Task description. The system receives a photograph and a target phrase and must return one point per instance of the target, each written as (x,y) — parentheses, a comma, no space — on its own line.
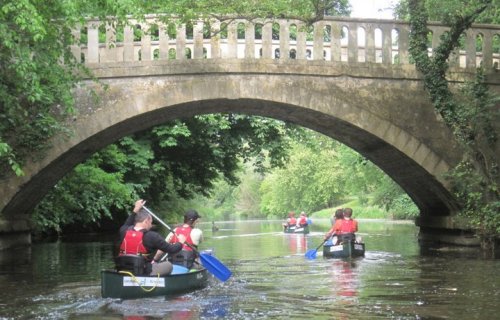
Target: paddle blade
(311,254)
(215,267)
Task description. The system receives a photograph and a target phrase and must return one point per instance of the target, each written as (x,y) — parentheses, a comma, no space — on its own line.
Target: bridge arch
(388,120)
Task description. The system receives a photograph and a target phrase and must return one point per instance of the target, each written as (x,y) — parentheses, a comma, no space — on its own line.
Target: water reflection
(297,243)
(344,282)
(271,279)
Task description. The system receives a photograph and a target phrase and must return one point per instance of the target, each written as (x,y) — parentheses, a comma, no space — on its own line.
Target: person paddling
(336,226)
(302,221)
(348,227)
(291,221)
(138,244)
(194,236)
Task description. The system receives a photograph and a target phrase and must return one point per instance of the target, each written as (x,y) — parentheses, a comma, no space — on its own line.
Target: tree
(166,165)
(323,173)
(308,10)
(38,71)
(34,87)
(472,113)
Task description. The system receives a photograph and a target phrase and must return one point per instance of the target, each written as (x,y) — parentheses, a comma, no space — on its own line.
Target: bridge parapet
(340,40)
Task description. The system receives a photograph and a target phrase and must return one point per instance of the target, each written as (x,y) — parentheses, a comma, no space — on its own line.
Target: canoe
(347,249)
(304,230)
(124,285)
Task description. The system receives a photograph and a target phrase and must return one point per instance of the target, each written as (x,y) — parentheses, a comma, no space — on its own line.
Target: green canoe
(347,249)
(303,230)
(125,285)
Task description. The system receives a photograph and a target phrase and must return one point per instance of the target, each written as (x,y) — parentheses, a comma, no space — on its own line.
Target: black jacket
(151,240)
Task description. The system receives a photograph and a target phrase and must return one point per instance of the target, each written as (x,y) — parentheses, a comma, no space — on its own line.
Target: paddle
(214,266)
(311,254)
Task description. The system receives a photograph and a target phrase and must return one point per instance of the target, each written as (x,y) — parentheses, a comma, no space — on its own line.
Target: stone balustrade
(343,40)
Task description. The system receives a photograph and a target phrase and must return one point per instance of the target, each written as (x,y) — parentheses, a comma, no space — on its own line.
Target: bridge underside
(386,119)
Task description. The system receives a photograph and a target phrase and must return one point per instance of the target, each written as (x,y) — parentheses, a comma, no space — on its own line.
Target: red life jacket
(348,226)
(132,243)
(292,221)
(303,221)
(186,232)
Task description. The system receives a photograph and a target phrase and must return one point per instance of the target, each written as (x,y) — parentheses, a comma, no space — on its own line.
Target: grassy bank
(359,212)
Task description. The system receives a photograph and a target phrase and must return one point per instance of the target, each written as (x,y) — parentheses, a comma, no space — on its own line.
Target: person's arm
(330,232)
(131,218)
(169,237)
(154,241)
(338,225)
(196,236)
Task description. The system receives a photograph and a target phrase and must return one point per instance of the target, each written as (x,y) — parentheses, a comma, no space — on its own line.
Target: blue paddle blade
(215,267)
(311,254)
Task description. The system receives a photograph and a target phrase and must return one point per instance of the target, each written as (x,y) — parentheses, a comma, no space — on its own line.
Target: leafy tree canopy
(177,160)
(471,113)
(447,11)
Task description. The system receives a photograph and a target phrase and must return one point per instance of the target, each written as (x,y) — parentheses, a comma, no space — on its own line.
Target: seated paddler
(194,236)
(141,248)
(348,227)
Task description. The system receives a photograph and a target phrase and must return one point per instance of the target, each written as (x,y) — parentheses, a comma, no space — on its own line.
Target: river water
(271,279)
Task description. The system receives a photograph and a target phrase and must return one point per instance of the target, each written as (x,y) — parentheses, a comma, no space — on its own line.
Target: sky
(371,8)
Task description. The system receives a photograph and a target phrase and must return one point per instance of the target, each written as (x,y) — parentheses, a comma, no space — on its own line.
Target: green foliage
(446,11)
(247,193)
(228,202)
(360,211)
(476,180)
(478,208)
(220,205)
(308,11)
(322,173)
(471,114)
(68,203)
(308,183)
(394,200)
(35,87)
(165,165)
(197,150)
(101,188)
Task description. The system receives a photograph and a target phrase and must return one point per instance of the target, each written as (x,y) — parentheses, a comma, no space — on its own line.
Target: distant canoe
(124,285)
(348,249)
(303,230)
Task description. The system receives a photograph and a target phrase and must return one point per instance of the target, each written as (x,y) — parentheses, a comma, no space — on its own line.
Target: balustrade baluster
(180,42)
(386,44)
(163,40)
(378,47)
(267,34)
(128,44)
(93,42)
(198,40)
(249,40)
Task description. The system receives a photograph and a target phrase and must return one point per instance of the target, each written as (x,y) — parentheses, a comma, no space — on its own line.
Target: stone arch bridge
(349,79)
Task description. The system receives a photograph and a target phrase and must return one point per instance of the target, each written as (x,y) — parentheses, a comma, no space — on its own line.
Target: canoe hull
(126,286)
(345,250)
(299,230)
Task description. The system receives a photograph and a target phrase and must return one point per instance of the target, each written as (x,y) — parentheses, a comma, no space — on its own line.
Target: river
(271,279)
